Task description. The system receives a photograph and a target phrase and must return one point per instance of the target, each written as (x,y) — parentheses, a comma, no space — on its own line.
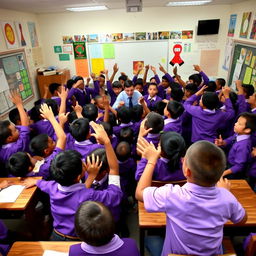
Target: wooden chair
(157,183)
(251,248)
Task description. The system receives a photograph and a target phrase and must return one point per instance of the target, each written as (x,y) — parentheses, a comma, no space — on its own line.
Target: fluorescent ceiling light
(189,3)
(87,8)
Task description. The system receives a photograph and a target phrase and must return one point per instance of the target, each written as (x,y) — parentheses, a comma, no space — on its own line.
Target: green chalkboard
(243,65)
(13,75)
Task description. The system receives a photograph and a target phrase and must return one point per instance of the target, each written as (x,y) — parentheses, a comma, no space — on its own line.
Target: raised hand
(197,68)
(219,141)
(15,97)
(64,93)
(93,165)
(226,91)
(46,112)
(224,183)
(115,68)
(100,133)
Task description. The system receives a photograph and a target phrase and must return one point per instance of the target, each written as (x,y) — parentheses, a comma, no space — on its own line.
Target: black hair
(137,113)
(174,85)
(108,128)
(191,87)
(177,94)
(72,116)
(154,121)
(248,89)
(112,119)
(124,114)
(123,77)
(97,97)
(90,111)
(233,98)
(126,134)
(154,84)
(79,129)
(206,161)
(18,164)
(94,223)
(77,78)
(210,100)
(165,78)
(35,113)
(102,76)
(139,81)
(101,152)
(211,87)
(175,108)
(152,79)
(5,131)
(159,107)
(14,116)
(173,148)
(250,121)
(123,151)
(116,84)
(38,144)
(128,84)
(196,78)
(66,166)
(221,81)
(70,83)
(53,87)
(53,104)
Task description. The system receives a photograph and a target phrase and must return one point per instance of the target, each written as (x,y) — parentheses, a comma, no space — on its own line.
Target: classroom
(127,127)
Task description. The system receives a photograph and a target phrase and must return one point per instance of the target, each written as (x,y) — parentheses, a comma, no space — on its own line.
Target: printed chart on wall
(13,75)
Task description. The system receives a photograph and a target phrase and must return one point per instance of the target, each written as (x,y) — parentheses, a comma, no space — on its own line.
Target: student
(168,166)
(206,118)
(252,101)
(67,193)
(151,98)
(122,79)
(220,83)
(197,200)
(173,111)
(137,117)
(129,97)
(22,164)
(90,111)
(95,227)
(109,130)
(199,79)
(12,138)
(54,89)
(124,117)
(241,145)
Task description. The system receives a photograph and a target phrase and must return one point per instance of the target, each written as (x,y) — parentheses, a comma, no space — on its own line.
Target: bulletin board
(243,64)
(14,74)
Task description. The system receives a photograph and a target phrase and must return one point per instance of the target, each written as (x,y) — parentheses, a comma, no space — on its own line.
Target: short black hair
(191,87)
(116,84)
(124,114)
(5,131)
(128,84)
(137,113)
(126,134)
(101,153)
(53,87)
(211,87)
(177,94)
(248,89)
(108,128)
(70,83)
(14,116)
(122,77)
(210,100)
(72,116)
(112,119)
(102,76)
(53,104)
(154,121)
(159,107)
(221,81)
(94,223)
(38,144)
(79,129)
(139,81)
(90,111)
(175,108)
(196,78)
(77,78)
(250,121)
(123,151)
(18,164)
(66,166)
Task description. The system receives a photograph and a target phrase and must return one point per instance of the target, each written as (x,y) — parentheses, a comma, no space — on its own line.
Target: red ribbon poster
(177,49)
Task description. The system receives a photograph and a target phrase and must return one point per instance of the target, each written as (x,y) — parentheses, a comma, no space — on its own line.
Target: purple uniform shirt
(195,216)
(66,200)
(154,138)
(186,126)
(43,127)
(116,247)
(173,125)
(117,129)
(111,93)
(151,102)
(21,144)
(205,122)
(161,171)
(4,248)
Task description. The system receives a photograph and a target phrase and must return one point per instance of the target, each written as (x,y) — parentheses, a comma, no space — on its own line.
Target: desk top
(38,248)
(23,199)
(240,189)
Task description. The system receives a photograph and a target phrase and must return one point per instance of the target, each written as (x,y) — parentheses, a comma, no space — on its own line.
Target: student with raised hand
(197,200)
(195,78)
(12,138)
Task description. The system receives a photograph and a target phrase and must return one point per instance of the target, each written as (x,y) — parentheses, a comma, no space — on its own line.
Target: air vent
(133,5)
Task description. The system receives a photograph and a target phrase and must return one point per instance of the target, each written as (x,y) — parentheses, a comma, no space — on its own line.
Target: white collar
(112,246)
(165,160)
(72,188)
(254,109)
(170,120)
(209,110)
(100,182)
(242,137)
(8,145)
(83,143)
(124,125)
(152,135)
(154,98)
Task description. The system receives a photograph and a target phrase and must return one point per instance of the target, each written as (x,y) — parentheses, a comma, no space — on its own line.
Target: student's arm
(204,76)
(149,152)
(241,102)
(78,109)
(155,75)
(88,79)
(16,100)
(143,131)
(118,100)
(92,168)
(96,90)
(162,69)
(145,75)
(181,82)
(106,108)
(46,112)
(115,70)
(144,105)
(63,96)
(229,113)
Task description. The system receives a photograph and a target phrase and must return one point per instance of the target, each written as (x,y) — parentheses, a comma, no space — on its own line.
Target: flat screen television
(208,27)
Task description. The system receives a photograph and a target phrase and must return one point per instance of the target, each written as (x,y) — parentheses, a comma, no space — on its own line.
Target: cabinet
(43,81)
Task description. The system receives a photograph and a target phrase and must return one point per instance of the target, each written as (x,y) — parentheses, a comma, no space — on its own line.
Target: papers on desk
(54,253)
(10,194)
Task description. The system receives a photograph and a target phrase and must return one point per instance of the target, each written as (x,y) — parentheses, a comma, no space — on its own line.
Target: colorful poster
(253,62)
(175,35)
(64,57)
(79,38)
(163,35)
(97,65)
(253,80)
(67,48)
(248,57)
(137,65)
(151,35)
(140,36)
(108,51)
(67,39)
(242,54)
(105,38)
(245,24)
(93,38)
(187,34)
(9,35)
(228,53)
(117,37)
(232,25)
(237,71)
(253,31)
(19,31)
(57,49)
(128,36)
(247,75)
(95,51)
(33,34)
(209,61)
(79,50)
(82,67)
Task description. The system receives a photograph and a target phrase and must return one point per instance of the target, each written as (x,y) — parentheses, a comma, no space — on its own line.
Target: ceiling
(47,6)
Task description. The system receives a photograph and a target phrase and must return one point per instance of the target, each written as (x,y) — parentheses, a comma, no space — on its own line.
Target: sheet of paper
(95,51)
(54,253)
(97,65)
(209,61)
(37,56)
(108,51)
(10,194)
(3,81)
(247,75)
(237,73)
(82,68)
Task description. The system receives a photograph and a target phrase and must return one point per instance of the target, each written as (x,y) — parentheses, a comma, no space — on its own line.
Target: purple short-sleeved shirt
(195,216)
(173,125)
(43,127)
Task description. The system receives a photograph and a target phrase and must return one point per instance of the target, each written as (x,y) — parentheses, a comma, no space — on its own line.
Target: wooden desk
(239,188)
(38,248)
(25,204)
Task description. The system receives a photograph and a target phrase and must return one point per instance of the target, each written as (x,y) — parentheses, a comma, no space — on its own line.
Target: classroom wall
(8,15)
(54,26)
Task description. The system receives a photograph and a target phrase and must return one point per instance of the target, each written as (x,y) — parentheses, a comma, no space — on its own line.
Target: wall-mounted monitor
(208,27)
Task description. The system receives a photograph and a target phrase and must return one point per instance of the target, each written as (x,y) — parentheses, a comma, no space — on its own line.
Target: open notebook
(10,194)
